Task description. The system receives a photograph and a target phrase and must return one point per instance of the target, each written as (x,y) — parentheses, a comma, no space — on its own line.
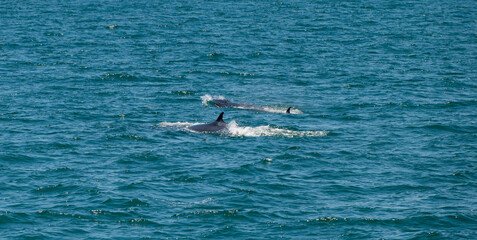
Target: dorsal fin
(220,117)
(288,110)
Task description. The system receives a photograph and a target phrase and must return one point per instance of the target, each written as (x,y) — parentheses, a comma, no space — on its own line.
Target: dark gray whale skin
(222,103)
(214,126)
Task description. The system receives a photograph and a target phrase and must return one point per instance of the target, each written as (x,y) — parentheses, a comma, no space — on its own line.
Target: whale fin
(288,110)
(219,119)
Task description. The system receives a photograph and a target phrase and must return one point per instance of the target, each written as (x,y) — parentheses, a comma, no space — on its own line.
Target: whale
(214,126)
(223,103)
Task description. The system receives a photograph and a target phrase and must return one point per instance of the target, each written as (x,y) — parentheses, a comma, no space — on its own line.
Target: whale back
(214,126)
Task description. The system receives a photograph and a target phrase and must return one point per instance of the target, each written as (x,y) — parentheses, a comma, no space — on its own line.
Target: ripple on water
(7,217)
(17,158)
(51,188)
(57,215)
(124,203)
(183,93)
(380,143)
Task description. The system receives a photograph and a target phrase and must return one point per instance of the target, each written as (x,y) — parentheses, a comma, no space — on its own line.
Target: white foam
(177,125)
(234,130)
(267,131)
(207,98)
(282,110)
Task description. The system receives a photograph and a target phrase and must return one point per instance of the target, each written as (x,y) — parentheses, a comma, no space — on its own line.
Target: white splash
(267,131)
(234,130)
(282,110)
(177,125)
(207,98)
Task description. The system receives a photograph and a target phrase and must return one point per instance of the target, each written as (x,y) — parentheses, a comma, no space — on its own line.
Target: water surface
(96,97)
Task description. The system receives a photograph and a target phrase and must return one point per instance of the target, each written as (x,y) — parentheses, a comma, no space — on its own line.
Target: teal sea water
(96,98)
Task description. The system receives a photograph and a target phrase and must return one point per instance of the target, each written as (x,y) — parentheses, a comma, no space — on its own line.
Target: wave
(234,130)
(208,98)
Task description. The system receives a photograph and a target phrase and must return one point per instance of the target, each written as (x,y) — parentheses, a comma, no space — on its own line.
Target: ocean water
(96,98)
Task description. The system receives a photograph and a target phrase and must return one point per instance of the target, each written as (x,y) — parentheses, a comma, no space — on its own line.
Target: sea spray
(208,98)
(234,130)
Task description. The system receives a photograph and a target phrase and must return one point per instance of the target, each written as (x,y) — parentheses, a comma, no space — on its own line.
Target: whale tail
(220,119)
(288,110)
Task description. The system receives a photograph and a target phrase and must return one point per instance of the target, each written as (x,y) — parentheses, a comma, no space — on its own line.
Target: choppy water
(96,97)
